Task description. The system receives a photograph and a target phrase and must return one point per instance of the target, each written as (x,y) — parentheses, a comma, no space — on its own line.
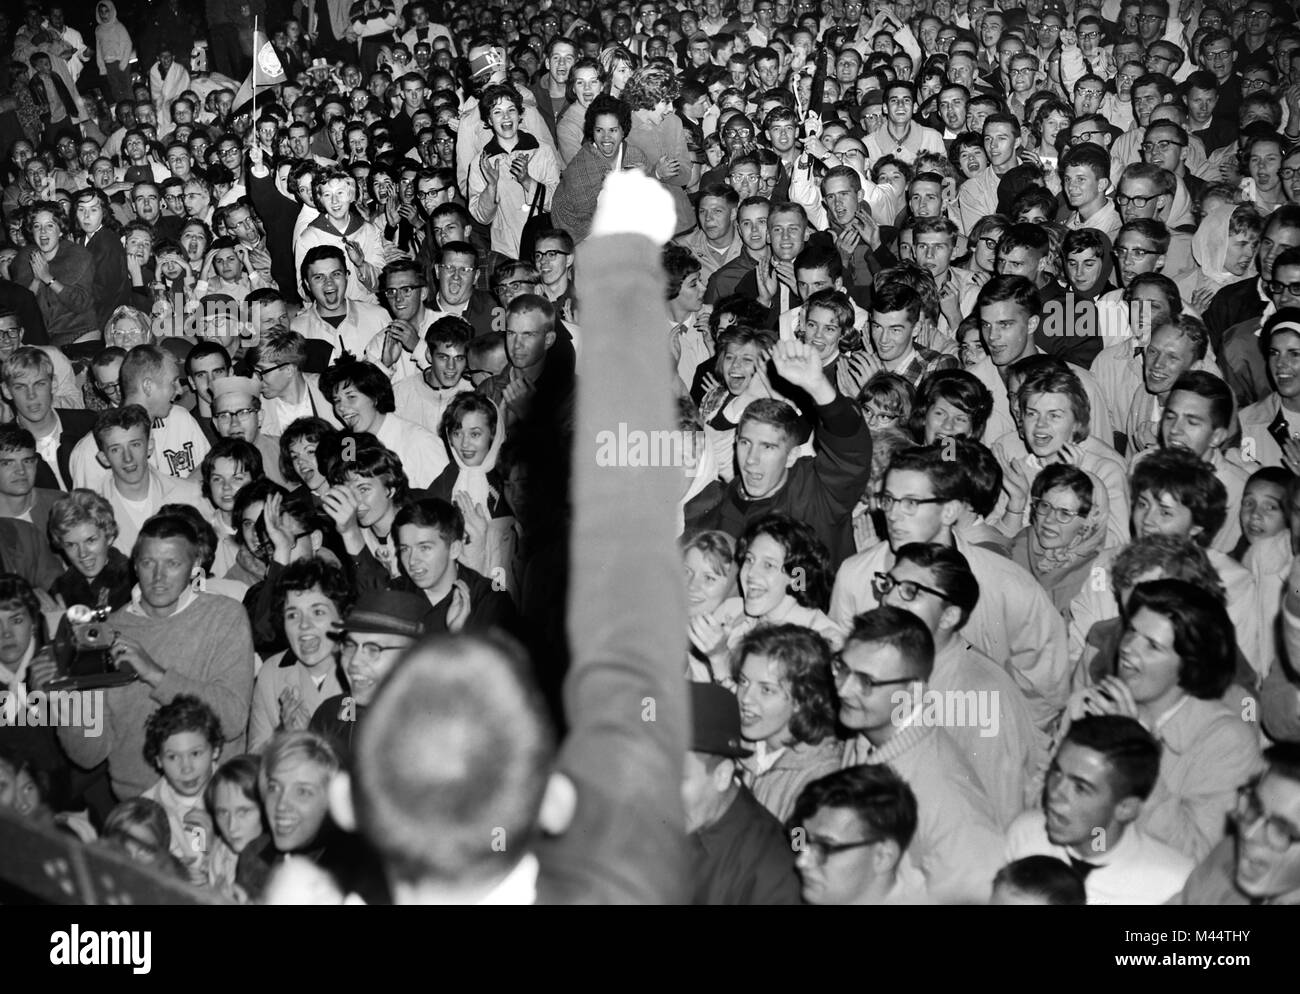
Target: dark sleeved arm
(843,461)
(625,696)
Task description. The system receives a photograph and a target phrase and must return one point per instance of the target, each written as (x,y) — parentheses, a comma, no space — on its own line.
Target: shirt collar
(519,885)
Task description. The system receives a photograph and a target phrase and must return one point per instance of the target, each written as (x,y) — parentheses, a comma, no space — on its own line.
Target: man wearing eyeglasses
(1252,48)
(880,677)
(1259,863)
(1244,365)
(237,413)
(375,632)
(288,391)
(1166,144)
(855,828)
(1149,92)
(923,497)
(935,583)
(1217,55)
(1101,775)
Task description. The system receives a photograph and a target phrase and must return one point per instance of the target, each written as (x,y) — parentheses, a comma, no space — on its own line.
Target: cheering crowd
(967,576)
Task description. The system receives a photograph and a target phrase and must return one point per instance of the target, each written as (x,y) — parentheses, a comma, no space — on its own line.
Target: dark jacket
(110,589)
(278,214)
(25,551)
(820,491)
(112,284)
(1235,303)
(22,302)
(76,425)
(744,857)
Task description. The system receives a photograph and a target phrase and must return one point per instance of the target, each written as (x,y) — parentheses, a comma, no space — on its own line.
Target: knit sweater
(69,312)
(207,650)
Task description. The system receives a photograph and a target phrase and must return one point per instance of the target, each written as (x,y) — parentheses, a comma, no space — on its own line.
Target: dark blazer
(25,551)
(76,424)
(17,298)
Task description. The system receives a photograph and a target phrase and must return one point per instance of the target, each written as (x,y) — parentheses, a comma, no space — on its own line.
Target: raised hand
(800,364)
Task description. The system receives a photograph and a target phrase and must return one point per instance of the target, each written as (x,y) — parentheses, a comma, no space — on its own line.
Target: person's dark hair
(804,661)
(1065,475)
(435,513)
(246,455)
(363,376)
(901,630)
(612,106)
(1190,481)
(951,571)
(982,472)
(897,297)
(1213,389)
(239,772)
(14,590)
(1132,752)
(678,263)
(1043,876)
(493,95)
(1204,637)
(468,402)
(806,558)
(370,458)
(960,388)
(184,713)
(882,801)
(313,573)
(250,494)
(1017,289)
(945,476)
(309,429)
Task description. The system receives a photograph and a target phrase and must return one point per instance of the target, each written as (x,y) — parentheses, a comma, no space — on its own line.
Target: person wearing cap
(237,413)
(375,631)
(740,850)
(487,66)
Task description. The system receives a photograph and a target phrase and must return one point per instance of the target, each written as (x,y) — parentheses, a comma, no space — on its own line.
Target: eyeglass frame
(840,670)
(821,850)
(225,417)
(1061,515)
(883,583)
(1248,793)
(264,372)
(371,652)
(884,501)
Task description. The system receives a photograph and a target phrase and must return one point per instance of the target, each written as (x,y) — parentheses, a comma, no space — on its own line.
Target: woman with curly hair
(60,272)
(785,578)
(605,126)
(787,712)
(658,134)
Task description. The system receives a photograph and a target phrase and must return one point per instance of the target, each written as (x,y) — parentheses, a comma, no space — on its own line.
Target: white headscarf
(473,480)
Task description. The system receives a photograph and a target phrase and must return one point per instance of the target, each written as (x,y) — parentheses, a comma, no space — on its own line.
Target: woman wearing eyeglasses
(982,261)
(1176,663)
(1068,509)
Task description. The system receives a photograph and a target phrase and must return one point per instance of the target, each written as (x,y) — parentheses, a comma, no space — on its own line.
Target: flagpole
(255,77)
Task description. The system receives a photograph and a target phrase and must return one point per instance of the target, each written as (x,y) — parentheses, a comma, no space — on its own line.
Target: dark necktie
(1279,429)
